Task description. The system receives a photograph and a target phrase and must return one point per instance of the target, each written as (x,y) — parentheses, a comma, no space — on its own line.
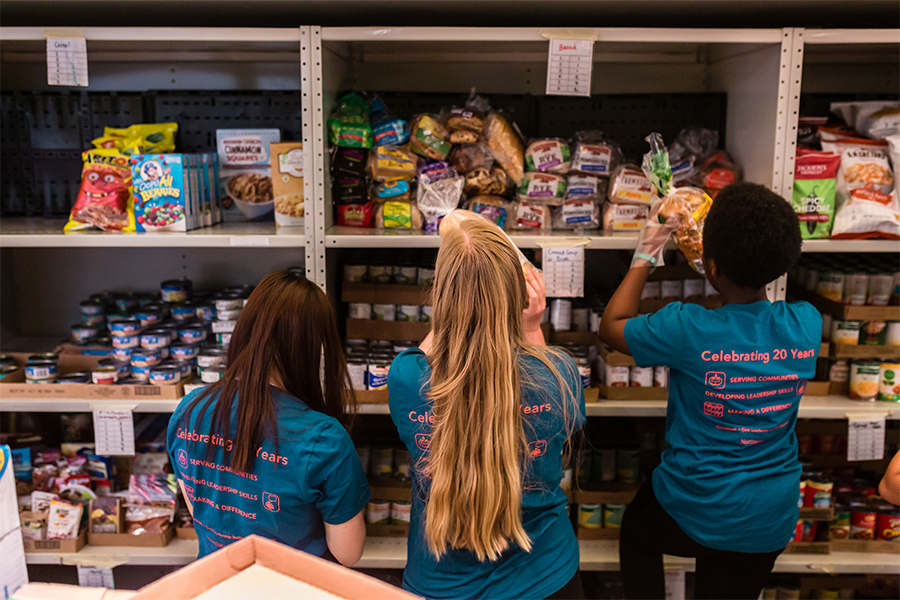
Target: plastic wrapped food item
(529,215)
(492,208)
(395,189)
(689,207)
(452,221)
(593,154)
(355,215)
(862,115)
(394,214)
(391,162)
(63,520)
(695,140)
(465,119)
(506,145)
(625,217)
(629,185)
(437,199)
(467,157)
(586,187)
(104,199)
(880,124)
(152,488)
(428,137)
(429,172)
(578,212)
(814,192)
(349,126)
(808,130)
(548,155)
(348,191)
(718,172)
(143,138)
(386,129)
(145,520)
(542,187)
(348,163)
(493,181)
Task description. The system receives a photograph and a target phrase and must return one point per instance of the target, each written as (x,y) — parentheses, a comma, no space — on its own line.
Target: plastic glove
(653,239)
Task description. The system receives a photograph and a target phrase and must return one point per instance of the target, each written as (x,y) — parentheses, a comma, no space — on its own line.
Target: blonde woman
(485,410)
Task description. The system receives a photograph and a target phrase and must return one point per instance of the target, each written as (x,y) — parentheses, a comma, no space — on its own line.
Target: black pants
(571,591)
(648,532)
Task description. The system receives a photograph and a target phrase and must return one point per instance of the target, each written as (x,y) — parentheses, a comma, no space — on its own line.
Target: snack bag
(504,142)
(717,172)
(394,214)
(549,156)
(437,199)
(452,221)
(349,125)
(814,192)
(104,198)
(529,215)
(428,137)
(355,215)
(542,187)
(146,138)
(63,520)
(391,162)
(592,154)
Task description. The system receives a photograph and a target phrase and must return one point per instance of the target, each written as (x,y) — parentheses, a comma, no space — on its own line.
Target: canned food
(660,377)
(378,513)
(880,287)
(211,357)
(566,482)
(143,357)
(873,333)
(583,466)
(123,368)
(590,516)
(229,302)
(41,371)
(404,275)
(105,375)
(222,326)
(692,289)
(603,464)
(863,522)
(81,377)
(148,317)
(81,332)
(889,384)
(408,313)
(561,315)
(426,276)
(845,332)
(864,380)
(93,307)
(651,291)
(183,311)
(164,352)
(401,512)
(892,338)
(888,527)
(212,373)
(628,465)
(43,357)
(402,463)
(183,350)
(831,285)
(192,334)
(175,290)
(856,285)
(365,455)
(95,320)
(127,326)
(377,374)
(155,338)
(6,361)
(359,310)
(818,493)
(142,373)
(205,312)
(384,312)
(808,530)
(840,526)
(584,371)
(358,370)
(125,302)
(164,375)
(581,319)
(126,341)
(641,376)
(185,366)
(228,315)
(670,289)
(380,274)
(382,462)
(426,313)
(612,515)
(223,338)
(617,376)
(356,273)
(839,371)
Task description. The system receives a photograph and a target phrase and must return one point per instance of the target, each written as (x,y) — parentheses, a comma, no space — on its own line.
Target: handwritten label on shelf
(98,577)
(564,271)
(569,65)
(249,240)
(114,432)
(675,581)
(67,61)
(865,438)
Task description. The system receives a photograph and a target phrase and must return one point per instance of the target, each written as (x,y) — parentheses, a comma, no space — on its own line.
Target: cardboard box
(58,591)
(254,551)
(151,540)
(245,167)
(611,533)
(186,533)
(287,183)
(632,393)
(14,385)
(372,396)
(872,546)
(850,351)
(389,488)
(387,330)
(56,546)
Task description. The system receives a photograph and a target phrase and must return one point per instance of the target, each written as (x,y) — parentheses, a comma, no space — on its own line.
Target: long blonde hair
(478,445)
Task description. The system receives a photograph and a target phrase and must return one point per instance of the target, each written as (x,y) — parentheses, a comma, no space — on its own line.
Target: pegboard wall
(42,134)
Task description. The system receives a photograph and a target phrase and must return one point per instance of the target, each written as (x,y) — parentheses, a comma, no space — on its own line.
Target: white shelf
(354,237)
(162,34)
(48,233)
(851,246)
(390,553)
(83,405)
(851,36)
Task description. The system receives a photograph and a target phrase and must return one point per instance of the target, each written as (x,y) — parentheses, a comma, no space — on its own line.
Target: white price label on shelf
(67,61)
(114,432)
(675,584)
(99,577)
(564,271)
(865,438)
(249,240)
(569,65)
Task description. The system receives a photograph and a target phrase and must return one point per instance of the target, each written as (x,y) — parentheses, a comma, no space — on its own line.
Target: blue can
(81,333)
(144,357)
(44,371)
(124,326)
(123,367)
(175,290)
(75,378)
(182,311)
(148,317)
(183,350)
(164,374)
(155,339)
(185,367)
(126,341)
(192,334)
(125,302)
(92,307)
(122,353)
(140,372)
(205,312)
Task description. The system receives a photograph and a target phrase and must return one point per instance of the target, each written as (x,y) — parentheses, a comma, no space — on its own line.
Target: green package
(814,193)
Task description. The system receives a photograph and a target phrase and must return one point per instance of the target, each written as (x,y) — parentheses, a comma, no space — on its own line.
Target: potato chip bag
(104,199)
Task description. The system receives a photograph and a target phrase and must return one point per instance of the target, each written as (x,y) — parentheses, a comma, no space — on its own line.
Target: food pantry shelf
(851,246)
(390,553)
(354,237)
(48,233)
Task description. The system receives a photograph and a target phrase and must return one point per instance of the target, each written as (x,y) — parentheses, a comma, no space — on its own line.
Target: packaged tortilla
(104,199)
(492,208)
(504,142)
(349,125)
(490,182)
(428,137)
(452,221)
(586,187)
(391,162)
(577,212)
(437,199)
(629,185)
(355,215)
(467,157)
(549,156)
(394,214)
(815,175)
(529,215)
(592,154)
(542,187)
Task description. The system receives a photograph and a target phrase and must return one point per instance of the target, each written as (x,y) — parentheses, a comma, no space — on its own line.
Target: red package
(104,198)
(355,215)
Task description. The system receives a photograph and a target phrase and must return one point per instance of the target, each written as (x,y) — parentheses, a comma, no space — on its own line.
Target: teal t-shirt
(730,475)
(314,477)
(554,556)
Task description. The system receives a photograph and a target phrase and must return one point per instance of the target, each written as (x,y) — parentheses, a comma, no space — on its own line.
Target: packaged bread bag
(815,176)
(530,215)
(549,156)
(592,154)
(505,144)
(545,188)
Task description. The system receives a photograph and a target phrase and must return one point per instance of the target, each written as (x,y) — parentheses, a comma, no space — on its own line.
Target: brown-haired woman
(264,450)
(485,410)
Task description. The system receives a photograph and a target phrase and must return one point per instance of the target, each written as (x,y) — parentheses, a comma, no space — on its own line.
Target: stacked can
(42,368)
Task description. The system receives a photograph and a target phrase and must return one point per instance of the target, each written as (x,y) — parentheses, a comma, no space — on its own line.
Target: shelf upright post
(315,126)
(312,231)
(795,79)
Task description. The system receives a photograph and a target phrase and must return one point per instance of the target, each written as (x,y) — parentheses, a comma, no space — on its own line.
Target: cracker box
(161,200)
(287,183)
(245,171)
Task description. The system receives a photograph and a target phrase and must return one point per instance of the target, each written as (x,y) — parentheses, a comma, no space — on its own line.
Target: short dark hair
(752,234)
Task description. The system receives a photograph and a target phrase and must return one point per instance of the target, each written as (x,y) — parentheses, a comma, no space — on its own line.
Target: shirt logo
(182,459)
(712,409)
(801,387)
(715,379)
(271,502)
(423,441)
(538,448)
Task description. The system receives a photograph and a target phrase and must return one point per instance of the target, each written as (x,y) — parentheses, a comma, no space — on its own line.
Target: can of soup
(888,527)
(863,522)
(105,375)
(864,380)
(401,512)
(617,376)
(889,384)
(641,376)
(612,515)
(590,516)
(378,513)
(359,310)
(384,312)
(408,313)
(660,377)
(41,371)
(845,332)
(175,290)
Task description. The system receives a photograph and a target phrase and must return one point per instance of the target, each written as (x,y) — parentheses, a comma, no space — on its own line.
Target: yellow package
(147,138)
(105,197)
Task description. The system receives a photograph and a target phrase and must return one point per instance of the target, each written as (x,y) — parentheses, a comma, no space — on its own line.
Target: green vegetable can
(814,189)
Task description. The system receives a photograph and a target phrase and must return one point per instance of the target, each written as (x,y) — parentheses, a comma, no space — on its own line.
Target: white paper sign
(564,271)
(114,432)
(569,67)
(13,572)
(675,584)
(67,61)
(865,438)
(101,577)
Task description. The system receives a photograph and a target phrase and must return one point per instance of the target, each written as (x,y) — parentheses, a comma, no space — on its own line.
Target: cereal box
(161,200)
(287,183)
(245,170)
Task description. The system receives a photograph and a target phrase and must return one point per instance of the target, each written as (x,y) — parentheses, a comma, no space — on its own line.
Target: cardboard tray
(808,548)
(393,530)
(55,546)
(196,578)
(611,533)
(371,396)
(155,540)
(633,393)
(612,492)
(846,312)
(614,358)
(875,546)
(186,533)
(380,293)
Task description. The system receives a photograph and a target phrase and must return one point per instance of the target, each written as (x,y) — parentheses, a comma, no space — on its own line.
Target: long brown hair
(287,330)
(478,445)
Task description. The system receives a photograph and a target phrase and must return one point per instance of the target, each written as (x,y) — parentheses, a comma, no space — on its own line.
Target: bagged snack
(430,172)
(542,187)
(104,199)
(593,154)
(465,119)
(717,172)
(880,124)
(157,489)
(629,185)
(491,182)
(143,519)
(33,525)
(348,163)
(391,162)
(146,138)
(808,130)
(586,187)
(394,214)
(625,217)
(349,191)
(437,199)
(814,192)
(529,215)
(857,112)
(395,189)
(106,515)
(349,125)
(456,217)
(428,137)
(493,208)
(549,156)
(355,215)
(467,157)
(63,520)
(577,212)
(506,145)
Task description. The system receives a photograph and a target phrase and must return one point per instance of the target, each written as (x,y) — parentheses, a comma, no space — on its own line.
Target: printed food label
(492,213)
(397,214)
(592,159)
(582,185)
(536,185)
(632,187)
(291,162)
(529,216)
(577,212)
(546,156)
(245,147)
